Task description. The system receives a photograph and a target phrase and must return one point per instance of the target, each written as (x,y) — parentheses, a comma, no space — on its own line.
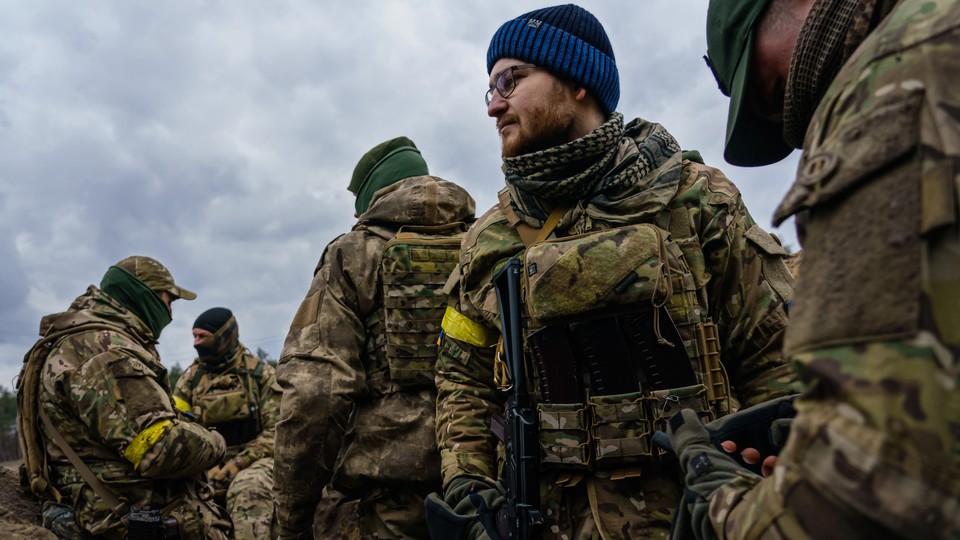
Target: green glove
(472,510)
(705,470)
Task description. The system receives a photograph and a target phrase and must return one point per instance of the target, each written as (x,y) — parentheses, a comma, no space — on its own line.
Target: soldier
(654,290)
(868,89)
(235,393)
(358,407)
(109,434)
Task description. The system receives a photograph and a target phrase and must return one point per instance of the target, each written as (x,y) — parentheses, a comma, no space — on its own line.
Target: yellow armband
(460,327)
(144,441)
(181,404)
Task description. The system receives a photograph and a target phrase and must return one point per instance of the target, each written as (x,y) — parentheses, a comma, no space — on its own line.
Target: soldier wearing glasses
(636,259)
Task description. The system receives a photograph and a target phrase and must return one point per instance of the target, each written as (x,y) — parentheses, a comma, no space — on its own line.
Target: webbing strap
(529,235)
(117,507)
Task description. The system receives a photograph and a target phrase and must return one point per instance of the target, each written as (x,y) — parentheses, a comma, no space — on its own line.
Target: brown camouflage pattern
(344,423)
(739,281)
(249,497)
(101,389)
(874,451)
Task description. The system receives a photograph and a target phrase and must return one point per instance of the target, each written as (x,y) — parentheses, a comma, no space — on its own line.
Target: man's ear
(580,93)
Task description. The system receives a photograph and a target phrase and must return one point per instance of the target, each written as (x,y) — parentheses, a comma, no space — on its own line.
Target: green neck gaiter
(401,163)
(134,295)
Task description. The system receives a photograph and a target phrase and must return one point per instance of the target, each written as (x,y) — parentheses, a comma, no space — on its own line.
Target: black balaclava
(217,350)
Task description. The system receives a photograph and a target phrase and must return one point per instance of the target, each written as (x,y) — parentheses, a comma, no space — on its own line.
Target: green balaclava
(385,164)
(137,297)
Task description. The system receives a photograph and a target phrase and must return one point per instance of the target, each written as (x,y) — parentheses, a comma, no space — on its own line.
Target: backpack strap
(117,507)
(528,234)
(32,447)
(197,375)
(258,373)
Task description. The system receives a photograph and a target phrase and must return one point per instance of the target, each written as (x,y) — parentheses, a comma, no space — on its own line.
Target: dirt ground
(19,511)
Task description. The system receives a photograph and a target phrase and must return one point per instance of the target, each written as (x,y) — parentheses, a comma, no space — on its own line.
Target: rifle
(521,439)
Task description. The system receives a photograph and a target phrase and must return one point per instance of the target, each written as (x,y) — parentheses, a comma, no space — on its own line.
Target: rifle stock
(522,468)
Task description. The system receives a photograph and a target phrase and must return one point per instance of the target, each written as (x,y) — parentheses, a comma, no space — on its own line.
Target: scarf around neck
(616,173)
(139,299)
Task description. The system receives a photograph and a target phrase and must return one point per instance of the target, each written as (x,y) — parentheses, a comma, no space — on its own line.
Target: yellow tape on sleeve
(181,404)
(144,441)
(460,327)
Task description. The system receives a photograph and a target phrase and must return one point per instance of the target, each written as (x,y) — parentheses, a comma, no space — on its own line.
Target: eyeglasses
(505,83)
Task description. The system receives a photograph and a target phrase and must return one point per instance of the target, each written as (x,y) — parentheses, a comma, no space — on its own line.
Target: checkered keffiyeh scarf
(598,171)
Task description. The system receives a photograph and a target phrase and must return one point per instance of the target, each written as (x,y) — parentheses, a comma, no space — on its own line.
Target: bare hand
(752,457)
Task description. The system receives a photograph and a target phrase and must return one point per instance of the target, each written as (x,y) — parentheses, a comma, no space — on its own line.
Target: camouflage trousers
(378,514)
(198,515)
(250,502)
(883,462)
(598,507)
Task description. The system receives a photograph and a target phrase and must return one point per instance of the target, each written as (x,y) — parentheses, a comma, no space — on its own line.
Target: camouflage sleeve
(184,389)
(748,287)
(269,403)
(467,396)
(466,401)
(321,375)
(120,399)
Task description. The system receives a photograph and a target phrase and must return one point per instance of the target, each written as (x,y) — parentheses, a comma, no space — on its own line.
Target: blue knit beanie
(567,40)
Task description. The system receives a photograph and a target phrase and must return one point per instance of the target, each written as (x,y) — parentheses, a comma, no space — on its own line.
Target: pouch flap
(585,275)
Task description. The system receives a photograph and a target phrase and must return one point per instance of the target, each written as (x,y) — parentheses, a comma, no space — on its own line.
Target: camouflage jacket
(875,333)
(261,397)
(107,393)
(341,416)
(733,262)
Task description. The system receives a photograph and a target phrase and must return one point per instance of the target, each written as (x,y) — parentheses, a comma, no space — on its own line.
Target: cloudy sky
(219,136)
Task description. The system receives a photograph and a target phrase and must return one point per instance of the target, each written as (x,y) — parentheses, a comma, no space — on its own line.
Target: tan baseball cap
(154,275)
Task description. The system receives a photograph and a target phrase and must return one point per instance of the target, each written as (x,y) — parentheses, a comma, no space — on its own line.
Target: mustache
(506,119)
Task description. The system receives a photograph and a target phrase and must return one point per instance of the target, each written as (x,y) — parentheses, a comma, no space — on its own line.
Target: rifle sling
(118,507)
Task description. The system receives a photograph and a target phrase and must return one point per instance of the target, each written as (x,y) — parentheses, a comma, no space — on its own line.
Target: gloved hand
(220,477)
(705,469)
(470,510)
(763,428)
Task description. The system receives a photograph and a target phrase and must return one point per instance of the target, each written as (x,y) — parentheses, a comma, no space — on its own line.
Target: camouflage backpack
(414,267)
(33,472)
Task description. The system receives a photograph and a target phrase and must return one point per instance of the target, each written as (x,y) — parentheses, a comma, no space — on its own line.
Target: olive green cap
(385,164)
(154,275)
(751,140)
(369,160)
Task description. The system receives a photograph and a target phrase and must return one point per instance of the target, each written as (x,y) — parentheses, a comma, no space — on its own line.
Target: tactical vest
(414,267)
(228,401)
(617,341)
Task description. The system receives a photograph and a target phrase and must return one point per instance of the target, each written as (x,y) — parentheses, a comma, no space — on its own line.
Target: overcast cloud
(219,136)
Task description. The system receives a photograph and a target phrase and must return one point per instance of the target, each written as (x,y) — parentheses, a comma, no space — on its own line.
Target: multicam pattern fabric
(875,449)
(250,502)
(228,394)
(102,389)
(344,423)
(414,268)
(740,282)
